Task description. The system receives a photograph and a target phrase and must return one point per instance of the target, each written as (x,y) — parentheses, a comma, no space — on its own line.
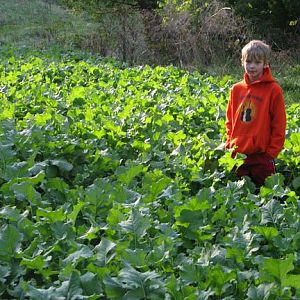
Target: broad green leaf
(76,209)
(6,153)
(137,224)
(91,284)
(38,178)
(52,216)
(236,253)
(195,204)
(274,185)
(124,195)
(63,165)
(37,263)
(190,218)
(272,212)
(191,273)
(57,183)
(262,292)
(296,240)
(71,288)
(278,268)
(62,230)
(268,232)
(4,272)
(133,279)
(91,234)
(113,288)
(295,141)
(104,252)
(10,239)
(16,170)
(173,287)
(26,191)
(10,213)
(296,183)
(41,119)
(191,213)
(142,146)
(83,252)
(218,277)
(77,92)
(115,216)
(137,293)
(220,214)
(154,184)
(135,258)
(205,194)
(99,192)
(292,280)
(45,294)
(127,173)
(228,163)
(274,181)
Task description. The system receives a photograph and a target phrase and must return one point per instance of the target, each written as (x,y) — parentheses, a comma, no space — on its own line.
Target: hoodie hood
(266,77)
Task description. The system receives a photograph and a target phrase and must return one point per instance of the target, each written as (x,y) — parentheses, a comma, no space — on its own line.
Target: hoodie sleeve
(228,122)
(278,124)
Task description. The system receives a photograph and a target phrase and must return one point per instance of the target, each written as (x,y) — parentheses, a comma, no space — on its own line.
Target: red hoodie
(255,118)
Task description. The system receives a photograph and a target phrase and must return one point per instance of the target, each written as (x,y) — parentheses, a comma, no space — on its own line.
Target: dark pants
(258,167)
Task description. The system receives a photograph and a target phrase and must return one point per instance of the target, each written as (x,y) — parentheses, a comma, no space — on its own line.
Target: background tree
(279,20)
(188,32)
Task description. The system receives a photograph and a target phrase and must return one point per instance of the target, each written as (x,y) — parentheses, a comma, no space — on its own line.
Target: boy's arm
(278,125)
(228,122)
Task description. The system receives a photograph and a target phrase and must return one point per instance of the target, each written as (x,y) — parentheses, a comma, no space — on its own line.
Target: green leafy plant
(113,184)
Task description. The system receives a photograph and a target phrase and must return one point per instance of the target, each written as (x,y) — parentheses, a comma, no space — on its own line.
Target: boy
(255,118)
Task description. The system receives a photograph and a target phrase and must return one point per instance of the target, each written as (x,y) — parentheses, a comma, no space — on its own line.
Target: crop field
(114,185)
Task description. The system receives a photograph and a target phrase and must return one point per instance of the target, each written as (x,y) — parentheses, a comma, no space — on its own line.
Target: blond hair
(256,50)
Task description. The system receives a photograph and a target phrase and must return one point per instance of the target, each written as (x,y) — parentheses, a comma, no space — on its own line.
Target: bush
(278,20)
(211,34)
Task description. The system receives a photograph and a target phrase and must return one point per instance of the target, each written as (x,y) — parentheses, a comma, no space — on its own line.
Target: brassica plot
(114,185)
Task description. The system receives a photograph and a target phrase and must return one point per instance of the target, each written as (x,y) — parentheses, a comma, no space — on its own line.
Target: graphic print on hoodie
(247,111)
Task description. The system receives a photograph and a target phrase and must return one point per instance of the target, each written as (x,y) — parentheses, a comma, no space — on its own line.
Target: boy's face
(254,68)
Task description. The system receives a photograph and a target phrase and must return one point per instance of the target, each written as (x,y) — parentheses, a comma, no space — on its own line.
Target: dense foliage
(276,19)
(114,186)
(92,4)
(188,32)
(278,13)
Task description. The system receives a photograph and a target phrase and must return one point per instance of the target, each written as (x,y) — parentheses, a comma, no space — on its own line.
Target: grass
(37,24)
(290,83)
(40,24)
(288,77)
